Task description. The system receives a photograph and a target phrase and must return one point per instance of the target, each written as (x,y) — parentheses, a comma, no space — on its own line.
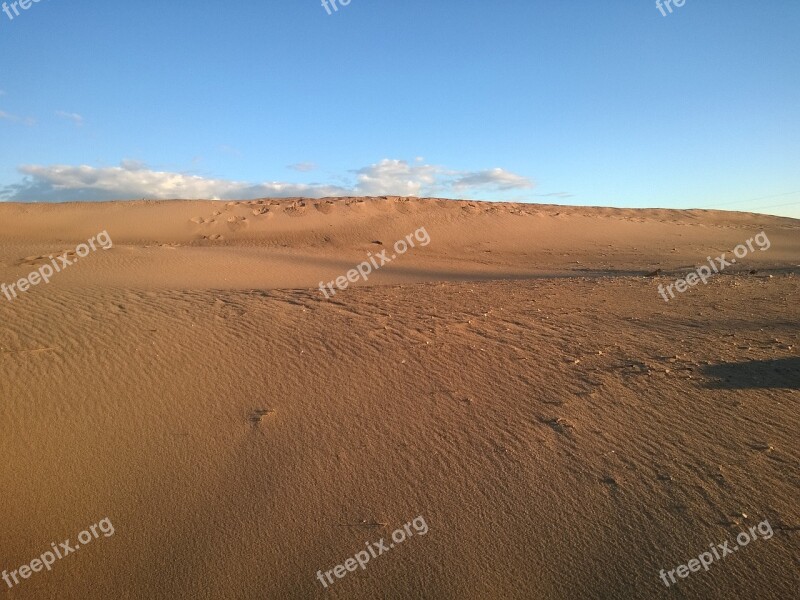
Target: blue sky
(583,102)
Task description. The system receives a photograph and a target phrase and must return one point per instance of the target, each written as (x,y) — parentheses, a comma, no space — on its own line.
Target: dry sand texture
(518,382)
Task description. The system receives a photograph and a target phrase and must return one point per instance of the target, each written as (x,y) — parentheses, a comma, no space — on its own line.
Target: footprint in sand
(227,310)
(559,425)
(30,261)
(235,223)
(762,447)
(260,414)
(296,209)
(611,481)
(324,207)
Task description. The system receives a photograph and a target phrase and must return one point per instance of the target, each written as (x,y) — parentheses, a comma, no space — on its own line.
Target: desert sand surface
(517,384)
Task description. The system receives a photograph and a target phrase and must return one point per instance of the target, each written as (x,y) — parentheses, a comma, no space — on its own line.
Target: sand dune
(298,243)
(518,382)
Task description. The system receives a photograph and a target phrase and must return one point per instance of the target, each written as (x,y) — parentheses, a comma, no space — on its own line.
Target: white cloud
(74,117)
(493,179)
(396,178)
(133,179)
(399,178)
(17,119)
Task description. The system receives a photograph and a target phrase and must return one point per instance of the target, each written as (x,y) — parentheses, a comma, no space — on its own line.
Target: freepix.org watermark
(12,7)
(326,4)
(703,273)
(718,552)
(360,559)
(46,271)
(660,6)
(64,549)
(363,270)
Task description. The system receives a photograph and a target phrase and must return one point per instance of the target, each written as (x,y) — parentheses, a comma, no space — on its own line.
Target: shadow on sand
(778,373)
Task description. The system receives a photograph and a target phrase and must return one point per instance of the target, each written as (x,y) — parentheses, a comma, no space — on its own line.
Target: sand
(518,383)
